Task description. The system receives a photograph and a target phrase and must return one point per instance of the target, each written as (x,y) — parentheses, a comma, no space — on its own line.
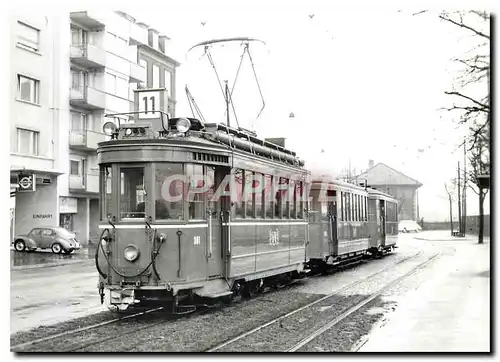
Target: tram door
(332,222)
(217,225)
(382,221)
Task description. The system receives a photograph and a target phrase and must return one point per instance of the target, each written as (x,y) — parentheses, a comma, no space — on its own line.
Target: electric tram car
(205,211)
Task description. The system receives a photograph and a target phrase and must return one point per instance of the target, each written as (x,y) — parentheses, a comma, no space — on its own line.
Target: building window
(74,168)
(27,36)
(111,83)
(78,121)
(78,37)
(156,76)
(167,83)
(27,142)
(143,63)
(28,89)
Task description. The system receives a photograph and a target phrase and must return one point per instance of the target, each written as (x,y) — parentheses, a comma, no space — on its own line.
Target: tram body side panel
(297,244)
(273,247)
(391,237)
(242,249)
(353,237)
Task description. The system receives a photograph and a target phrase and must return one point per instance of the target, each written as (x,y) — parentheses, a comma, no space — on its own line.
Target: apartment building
(94,62)
(35,116)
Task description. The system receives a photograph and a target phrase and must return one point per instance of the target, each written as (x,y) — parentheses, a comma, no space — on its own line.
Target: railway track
(324,298)
(65,334)
(99,336)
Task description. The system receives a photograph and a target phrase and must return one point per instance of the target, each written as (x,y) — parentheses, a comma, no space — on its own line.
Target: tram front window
(132,194)
(169,190)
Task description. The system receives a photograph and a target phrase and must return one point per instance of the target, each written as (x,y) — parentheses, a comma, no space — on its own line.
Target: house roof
(381,174)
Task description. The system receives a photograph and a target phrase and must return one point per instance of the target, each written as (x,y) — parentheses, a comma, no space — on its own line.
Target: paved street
(449,309)
(447,304)
(47,295)
(23,260)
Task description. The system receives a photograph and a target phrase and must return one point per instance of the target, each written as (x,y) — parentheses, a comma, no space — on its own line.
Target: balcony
(137,73)
(88,183)
(85,140)
(88,55)
(90,19)
(87,97)
(138,34)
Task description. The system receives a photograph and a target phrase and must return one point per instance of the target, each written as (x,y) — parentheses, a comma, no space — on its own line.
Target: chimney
(163,41)
(370,163)
(153,38)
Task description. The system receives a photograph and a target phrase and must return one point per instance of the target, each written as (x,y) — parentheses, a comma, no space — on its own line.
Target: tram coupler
(101,291)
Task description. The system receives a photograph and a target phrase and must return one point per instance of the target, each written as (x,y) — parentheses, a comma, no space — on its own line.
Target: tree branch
(469,98)
(462,25)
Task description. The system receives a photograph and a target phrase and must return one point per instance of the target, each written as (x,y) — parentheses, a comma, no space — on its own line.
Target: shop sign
(26,182)
(67,205)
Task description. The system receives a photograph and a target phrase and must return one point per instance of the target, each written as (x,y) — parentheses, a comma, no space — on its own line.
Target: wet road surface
(21,260)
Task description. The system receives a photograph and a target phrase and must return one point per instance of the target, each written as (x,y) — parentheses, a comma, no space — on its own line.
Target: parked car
(407,226)
(56,238)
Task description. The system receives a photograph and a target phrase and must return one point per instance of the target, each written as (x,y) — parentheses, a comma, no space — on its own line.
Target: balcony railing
(88,55)
(88,182)
(85,139)
(87,97)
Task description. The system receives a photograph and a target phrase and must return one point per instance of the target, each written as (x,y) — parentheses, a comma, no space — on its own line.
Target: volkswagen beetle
(56,238)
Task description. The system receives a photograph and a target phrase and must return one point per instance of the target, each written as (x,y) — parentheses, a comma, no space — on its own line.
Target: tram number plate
(149,102)
(197,240)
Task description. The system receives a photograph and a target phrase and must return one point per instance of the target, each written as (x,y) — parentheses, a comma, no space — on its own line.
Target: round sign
(25,182)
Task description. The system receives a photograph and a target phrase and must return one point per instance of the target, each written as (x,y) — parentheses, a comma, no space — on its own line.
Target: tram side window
(237,194)
(299,194)
(169,191)
(249,194)
(258,195)
(285,198)
(106,193)
(133,193)
(292,199)
(196,197)
(213,204)
(357,209)
(268,196)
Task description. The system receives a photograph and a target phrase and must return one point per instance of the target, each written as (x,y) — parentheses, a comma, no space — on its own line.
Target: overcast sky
(364,81)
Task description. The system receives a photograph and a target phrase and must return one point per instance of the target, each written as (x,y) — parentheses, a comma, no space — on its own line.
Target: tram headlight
(131,253)
(183,125)
(109,128)
(128,131)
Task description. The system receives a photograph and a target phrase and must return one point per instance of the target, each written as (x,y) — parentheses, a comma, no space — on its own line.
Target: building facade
(57,115)
(397,184)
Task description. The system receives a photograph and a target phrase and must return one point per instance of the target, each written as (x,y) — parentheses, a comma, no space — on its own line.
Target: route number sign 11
(149,102)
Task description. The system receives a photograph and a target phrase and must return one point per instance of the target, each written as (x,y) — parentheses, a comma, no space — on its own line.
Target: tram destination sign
(26,182)
(149,101)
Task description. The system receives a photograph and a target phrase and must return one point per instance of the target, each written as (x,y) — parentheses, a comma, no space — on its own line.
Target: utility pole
(465,188)
(459,202)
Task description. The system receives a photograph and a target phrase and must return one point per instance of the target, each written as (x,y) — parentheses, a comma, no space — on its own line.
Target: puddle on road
(46,257)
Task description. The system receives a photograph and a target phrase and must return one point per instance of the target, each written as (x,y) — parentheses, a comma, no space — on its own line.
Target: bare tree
(451,207)
(471,96)
(471,93)
(479,158)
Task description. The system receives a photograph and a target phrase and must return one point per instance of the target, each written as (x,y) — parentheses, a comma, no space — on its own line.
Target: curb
(49,265)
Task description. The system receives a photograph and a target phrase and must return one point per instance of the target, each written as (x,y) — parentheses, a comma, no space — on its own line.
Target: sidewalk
(447,312)
(444,235)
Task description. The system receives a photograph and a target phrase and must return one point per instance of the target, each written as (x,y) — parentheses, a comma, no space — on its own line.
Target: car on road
(57,239)
(407,226)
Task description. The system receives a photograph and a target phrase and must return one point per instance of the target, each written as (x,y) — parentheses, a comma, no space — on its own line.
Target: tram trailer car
(348,222)
(159,249)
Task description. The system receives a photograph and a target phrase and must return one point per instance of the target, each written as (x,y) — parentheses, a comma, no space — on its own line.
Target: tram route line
(267,324)
(82,329)
(358,306)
